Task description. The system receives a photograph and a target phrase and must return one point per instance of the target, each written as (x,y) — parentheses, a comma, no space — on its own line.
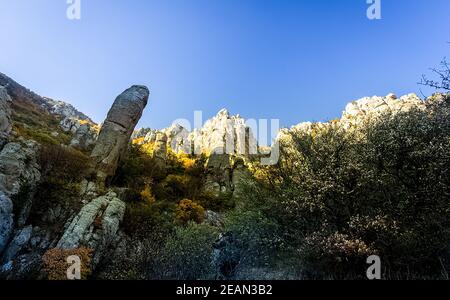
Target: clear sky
(290,60)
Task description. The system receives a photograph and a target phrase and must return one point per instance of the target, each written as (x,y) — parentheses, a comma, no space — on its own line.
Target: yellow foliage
(148,148)
(187,210)
(187,162)
(147,195)
(138,141)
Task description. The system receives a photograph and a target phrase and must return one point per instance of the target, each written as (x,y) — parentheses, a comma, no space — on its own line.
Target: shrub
(62,170)
(147,195)
(135,170)
(187,255)
(381,187)
(187,211)
(144,218)
(64,164)
(55,263)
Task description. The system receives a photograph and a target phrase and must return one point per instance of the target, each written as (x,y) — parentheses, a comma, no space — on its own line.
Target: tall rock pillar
(117,129)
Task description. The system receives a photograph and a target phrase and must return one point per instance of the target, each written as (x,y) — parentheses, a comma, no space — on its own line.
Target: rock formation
(117,130)
(96,225)
(160,150)
(19,174)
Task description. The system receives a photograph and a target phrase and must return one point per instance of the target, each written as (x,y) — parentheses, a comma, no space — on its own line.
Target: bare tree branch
(443,74)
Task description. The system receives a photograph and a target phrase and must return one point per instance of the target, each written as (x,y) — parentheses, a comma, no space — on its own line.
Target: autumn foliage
(56,264)
(187,210)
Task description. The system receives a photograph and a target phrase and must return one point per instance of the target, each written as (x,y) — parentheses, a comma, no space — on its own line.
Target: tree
(443,74)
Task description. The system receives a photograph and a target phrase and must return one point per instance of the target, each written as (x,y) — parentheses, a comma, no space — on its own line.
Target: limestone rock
(19,173)
(178,138)
(150,137)
(84,137)
(357,111)
(117,130)
(95,226)
(160,150)
(18,166)
(224,134)
(140,133)
(6,220)
(21,238)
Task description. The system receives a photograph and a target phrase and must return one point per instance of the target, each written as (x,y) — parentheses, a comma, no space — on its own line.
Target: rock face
(358,111)
(373,106)
(160,151)
(6,220)
(19,175)
(21,238)
(117,130)
(5,116)
(65,110)
(96,225)
(224,134)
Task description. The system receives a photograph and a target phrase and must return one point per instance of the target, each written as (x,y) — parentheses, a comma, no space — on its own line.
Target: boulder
(117,129)
(95,226)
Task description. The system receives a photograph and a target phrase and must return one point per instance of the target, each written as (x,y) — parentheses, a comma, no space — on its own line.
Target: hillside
(173,204)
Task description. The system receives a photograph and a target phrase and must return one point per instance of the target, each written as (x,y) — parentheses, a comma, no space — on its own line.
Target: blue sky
(289,60)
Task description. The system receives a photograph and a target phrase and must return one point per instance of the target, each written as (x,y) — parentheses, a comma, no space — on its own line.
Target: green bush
(379,188)
(187,254)
(62,170)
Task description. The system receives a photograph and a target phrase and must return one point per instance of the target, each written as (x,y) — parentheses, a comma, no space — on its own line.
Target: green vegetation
(187,254)
(381,188)
(62,170)
(33,122)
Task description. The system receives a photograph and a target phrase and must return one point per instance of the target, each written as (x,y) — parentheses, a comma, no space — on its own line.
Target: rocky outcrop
(117,130)
(21,238)
(6,220)
(85,136)
(5,116)
(96,225)
(224,134)
(65,110)
(19,175)
(357,111)
(160,150)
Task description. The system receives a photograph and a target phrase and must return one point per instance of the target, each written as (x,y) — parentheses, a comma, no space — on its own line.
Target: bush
(64,164)
(55,263)
(189,211)
(253,242)
(187,255)
(136,169)
(62,170)
(147,195)
(379,188)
